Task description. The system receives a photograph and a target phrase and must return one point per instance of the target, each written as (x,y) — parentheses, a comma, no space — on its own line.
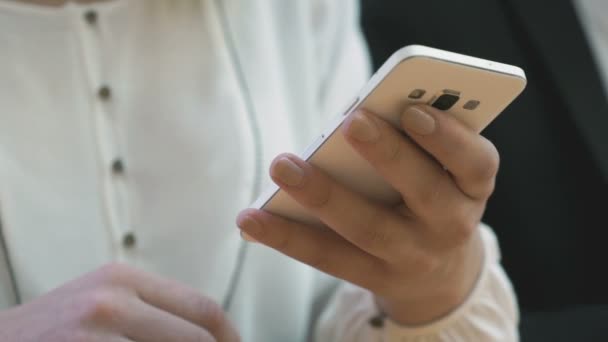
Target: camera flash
(417,93)
(471,104)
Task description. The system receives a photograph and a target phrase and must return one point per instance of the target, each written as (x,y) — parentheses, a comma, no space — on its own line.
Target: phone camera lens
(417,94)
(471,105)
(445,101)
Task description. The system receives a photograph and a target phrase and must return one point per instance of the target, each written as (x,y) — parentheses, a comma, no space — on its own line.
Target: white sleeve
(490,312)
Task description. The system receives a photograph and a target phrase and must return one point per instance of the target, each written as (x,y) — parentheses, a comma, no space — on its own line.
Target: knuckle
(431,192)
(428,196)
(374,238)
(486,167)
(372,233)
(101,306)
(321,195)
(392,150)
(282,240)
(424,263)
(318,257)
(488,189)
(463,229)
(455,138)
(494,155)
(212,315)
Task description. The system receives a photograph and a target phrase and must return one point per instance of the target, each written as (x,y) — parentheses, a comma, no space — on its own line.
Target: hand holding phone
(391,196)
(472,90)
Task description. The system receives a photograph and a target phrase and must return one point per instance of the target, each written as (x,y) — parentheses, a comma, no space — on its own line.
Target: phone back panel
(387,95)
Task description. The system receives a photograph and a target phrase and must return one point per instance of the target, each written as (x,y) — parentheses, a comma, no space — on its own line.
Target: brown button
(118,166)
(91,17)
(104,93)
(129,240)
(377,321)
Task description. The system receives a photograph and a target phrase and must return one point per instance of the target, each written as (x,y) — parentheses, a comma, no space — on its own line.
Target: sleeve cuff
(489,313)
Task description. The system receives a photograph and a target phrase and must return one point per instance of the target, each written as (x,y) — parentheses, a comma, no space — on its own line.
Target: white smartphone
(471,89)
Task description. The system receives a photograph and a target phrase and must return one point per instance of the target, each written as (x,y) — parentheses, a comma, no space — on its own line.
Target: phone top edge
(265,197)
(414,51)
(405,53)
(401,55)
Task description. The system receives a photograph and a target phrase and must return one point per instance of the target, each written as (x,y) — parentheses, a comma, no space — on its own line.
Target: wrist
(441,298)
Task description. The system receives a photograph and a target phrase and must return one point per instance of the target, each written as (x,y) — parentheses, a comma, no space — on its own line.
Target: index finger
(374,228)
(179,300)
(144,322)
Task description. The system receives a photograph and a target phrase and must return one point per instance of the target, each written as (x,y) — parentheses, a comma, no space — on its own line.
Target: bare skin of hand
(422,258)
(57,2)
(118,304)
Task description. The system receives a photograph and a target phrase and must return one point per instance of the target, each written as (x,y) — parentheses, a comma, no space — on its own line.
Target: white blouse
(136,130)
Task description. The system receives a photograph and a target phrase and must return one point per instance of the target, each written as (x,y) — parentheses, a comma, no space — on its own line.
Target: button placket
(129,240)
(104,93)
(118,167)
(114,173)
(90,16)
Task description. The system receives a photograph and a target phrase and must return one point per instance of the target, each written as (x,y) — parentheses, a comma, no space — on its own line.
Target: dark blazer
(550,207)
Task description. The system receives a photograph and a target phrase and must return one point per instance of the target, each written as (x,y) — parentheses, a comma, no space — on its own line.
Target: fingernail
(363,128)
(249,226)
(417,121)
(288,172)
(247,237)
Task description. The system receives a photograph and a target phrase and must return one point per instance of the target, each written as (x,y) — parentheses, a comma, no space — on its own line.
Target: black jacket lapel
(555,32)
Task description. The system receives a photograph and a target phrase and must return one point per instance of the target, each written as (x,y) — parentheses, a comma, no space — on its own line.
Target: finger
(186,303)
(469,157)
(320,248)
(175,298)
(144,322)
(102,337)
(109,339)
(376,229)
(426,188)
